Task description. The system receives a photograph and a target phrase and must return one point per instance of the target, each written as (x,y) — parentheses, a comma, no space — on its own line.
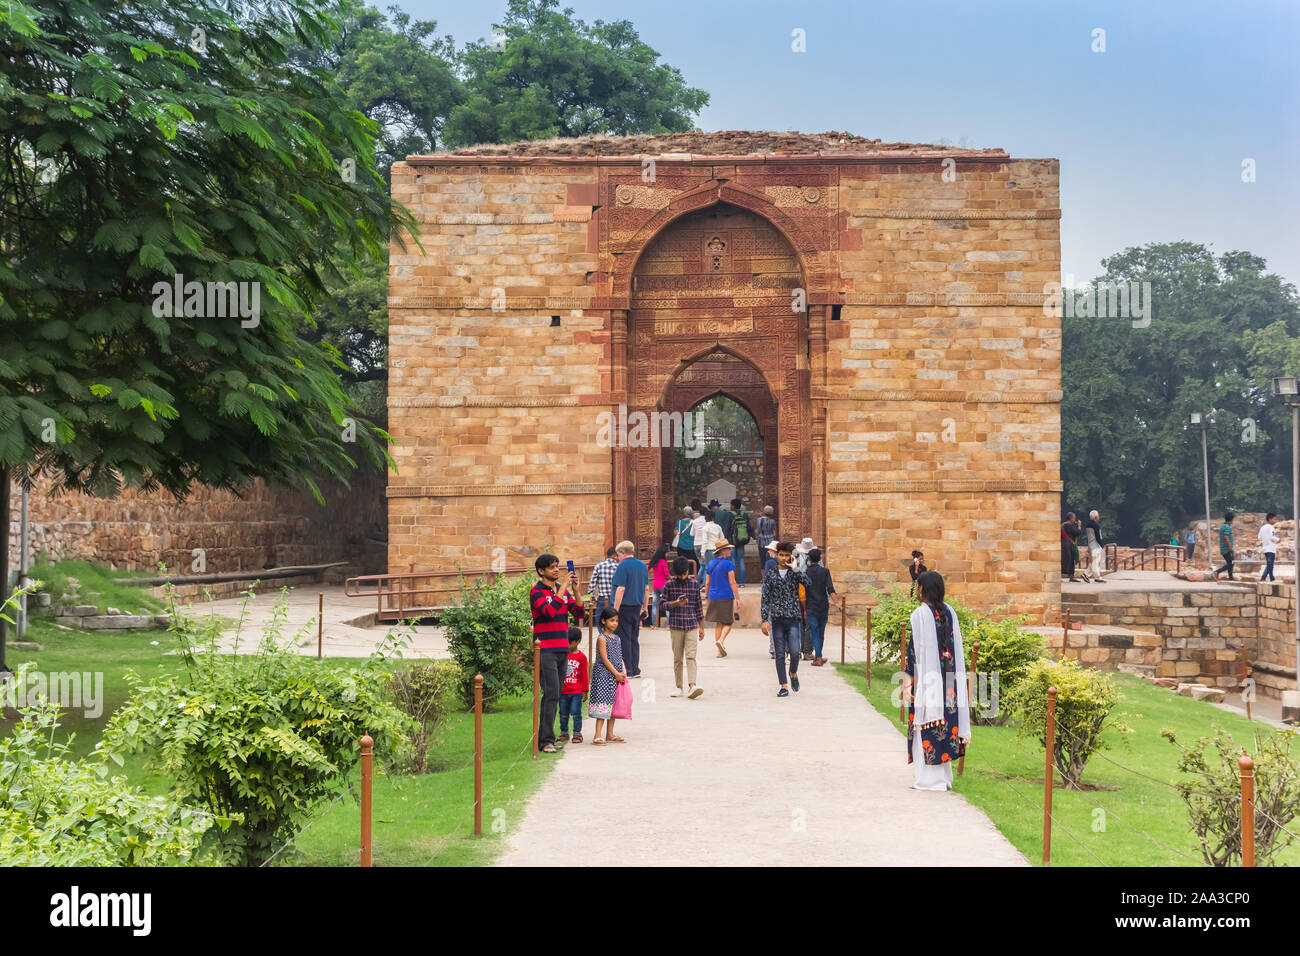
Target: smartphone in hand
(569,565)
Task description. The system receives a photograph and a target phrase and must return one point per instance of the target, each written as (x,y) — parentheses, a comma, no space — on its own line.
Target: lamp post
(1205,421)
(1287,390)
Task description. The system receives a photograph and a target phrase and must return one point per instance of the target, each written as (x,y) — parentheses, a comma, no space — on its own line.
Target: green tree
(548,74)
(1219,329)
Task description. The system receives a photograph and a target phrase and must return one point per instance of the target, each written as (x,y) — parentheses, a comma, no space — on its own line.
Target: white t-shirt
(697,531)
(710,536)
(1268,538)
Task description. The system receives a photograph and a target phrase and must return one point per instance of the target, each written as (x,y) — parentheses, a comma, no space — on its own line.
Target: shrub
(1006,653)
(261,737)
(58,812)
(490,632)
(425,692)
(1084,699)
(1214,811)
(892,611)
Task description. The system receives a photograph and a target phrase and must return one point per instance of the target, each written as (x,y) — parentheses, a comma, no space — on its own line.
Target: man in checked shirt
(682,598)
(602,581)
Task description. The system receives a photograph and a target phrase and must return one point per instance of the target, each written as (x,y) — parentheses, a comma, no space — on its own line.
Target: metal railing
(416,594)
(1160,557)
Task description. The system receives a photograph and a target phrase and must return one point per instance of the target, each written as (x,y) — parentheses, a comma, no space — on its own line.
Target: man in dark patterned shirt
(783,614)
(682,597)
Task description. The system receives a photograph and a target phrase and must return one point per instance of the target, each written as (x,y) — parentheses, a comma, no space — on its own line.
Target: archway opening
(725,460)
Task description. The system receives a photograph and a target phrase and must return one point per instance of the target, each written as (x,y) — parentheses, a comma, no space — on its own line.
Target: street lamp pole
(1204,421)
(1288,390)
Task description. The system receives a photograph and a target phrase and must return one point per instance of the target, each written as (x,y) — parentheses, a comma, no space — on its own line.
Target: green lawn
(98,586)
(418,820)
(1004,778)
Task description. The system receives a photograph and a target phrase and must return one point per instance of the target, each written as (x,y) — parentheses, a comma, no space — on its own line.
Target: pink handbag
(622,702)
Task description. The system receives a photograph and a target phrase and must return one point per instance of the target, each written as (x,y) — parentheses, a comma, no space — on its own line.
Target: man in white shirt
(1268,542)
(697,533)
(710,535)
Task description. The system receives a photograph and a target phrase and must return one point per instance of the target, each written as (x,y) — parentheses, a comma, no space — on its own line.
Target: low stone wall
(1202,633)
(1122,649)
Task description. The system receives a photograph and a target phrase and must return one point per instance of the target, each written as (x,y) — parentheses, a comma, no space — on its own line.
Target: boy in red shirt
(574,689)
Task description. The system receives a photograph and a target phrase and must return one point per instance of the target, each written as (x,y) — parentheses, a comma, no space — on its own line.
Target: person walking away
(801,551)
(915,569)
(575,687)
(726,521)
(708,542)
(1096,552)
(551,608)
(1191,544)
(682,598)
(602,581)
(1226,546)
(783,616)
(684,539)
(658,578)
(1074,528)
(697,535)
(631,592)
(766,529)
(820,589)
(1268,542)
(740,527)
(608,673)
(722,592)
(934,684)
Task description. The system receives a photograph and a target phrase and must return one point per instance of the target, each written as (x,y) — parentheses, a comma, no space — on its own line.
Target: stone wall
(743,471)
(1115,650)
(267,527)
(1202,633)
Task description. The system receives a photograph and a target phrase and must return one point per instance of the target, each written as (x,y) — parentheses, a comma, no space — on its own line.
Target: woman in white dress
(934,684)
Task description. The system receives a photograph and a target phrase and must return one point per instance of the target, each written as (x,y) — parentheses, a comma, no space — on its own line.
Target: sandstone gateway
(878,308)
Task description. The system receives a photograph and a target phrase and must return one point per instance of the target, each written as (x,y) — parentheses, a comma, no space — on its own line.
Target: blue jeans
(654,607)
(570,706)
(738,558)
(1269,558)
(817,625)
(787,637)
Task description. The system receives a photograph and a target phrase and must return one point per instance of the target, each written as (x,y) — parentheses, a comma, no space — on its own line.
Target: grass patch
(1128,820)
(418,820)
(99,586)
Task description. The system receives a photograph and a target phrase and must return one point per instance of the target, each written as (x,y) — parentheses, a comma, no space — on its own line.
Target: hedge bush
(489,631)
(261,738)
(426,692)
(1006,654)
(1084,701)
(1214,809)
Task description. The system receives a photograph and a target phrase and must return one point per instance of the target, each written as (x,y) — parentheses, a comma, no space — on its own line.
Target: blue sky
(1151,134)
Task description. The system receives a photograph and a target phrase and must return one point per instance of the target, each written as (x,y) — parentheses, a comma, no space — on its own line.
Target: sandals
(722,651)
(549,749)
(598,742)
(576,739)
(616,740)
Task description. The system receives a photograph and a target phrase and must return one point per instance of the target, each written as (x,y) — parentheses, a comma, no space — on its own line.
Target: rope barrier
(293,839)
(1172,786)
(1034,803)
(1273,821)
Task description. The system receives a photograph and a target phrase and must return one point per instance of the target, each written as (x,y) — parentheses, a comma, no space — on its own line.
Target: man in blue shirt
(631,591)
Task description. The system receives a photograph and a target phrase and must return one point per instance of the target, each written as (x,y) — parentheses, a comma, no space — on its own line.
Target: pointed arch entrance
(710,310)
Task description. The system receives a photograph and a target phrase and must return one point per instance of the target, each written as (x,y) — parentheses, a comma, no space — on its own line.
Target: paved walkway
(348,630)
(740,777)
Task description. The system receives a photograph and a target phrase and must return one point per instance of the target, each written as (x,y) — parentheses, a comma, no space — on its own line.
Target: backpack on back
(742,529)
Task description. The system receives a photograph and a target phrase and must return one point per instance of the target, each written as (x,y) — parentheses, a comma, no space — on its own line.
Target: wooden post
(902,666)
(974,663)
(537,692)
(320,619)
(844,619)
(367,749)
(1047,782)
(1065,628)
(1247,810)
(868,648)
(478,754)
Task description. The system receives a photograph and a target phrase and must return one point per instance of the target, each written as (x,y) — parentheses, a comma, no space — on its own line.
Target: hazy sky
(1151,133)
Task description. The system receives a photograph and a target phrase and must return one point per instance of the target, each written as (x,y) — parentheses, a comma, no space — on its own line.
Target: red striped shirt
(551,615)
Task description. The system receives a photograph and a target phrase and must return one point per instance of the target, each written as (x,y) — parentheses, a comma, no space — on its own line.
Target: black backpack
(742,529)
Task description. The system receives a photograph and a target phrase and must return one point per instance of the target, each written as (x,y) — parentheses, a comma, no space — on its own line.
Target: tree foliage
(142,141)
(548,74)
(1221,329)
